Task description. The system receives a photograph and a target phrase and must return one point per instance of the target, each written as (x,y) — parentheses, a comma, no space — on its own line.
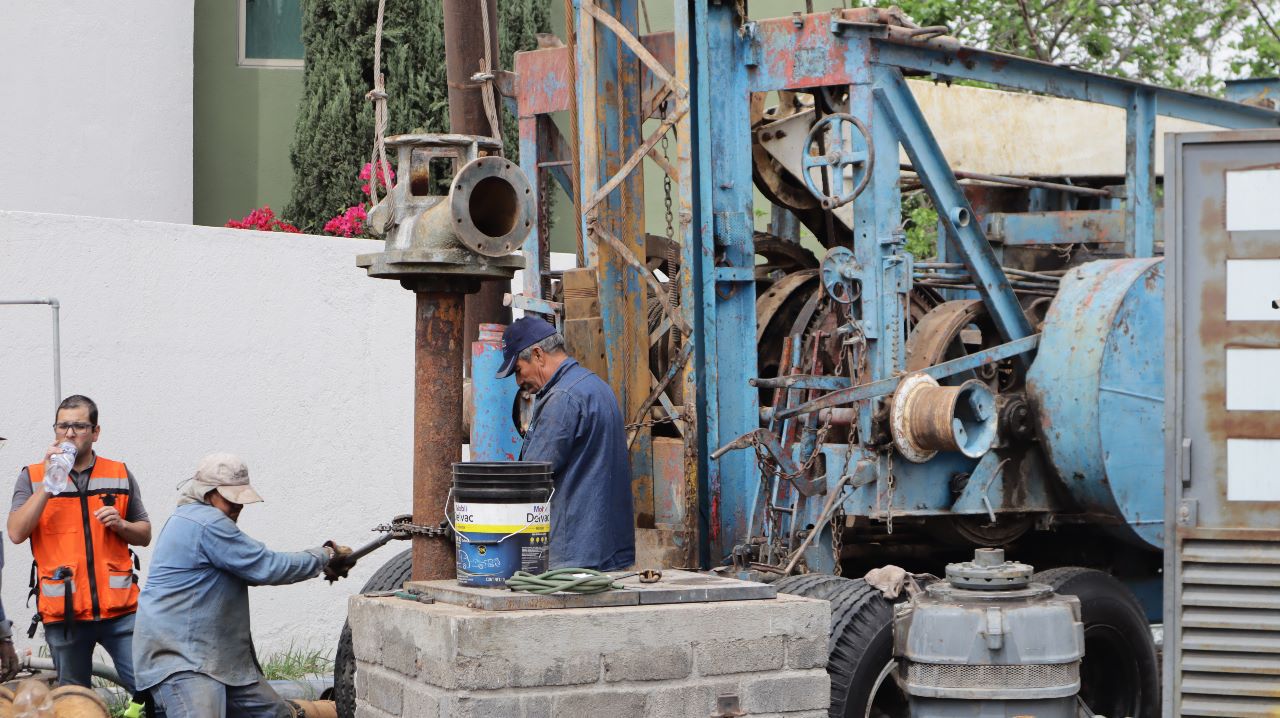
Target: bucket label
(496,540)
(502,518)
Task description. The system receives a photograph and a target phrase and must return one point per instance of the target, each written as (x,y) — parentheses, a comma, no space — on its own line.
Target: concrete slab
(675,586)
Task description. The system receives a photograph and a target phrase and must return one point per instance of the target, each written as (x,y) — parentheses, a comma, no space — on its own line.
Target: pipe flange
(900,418)
(491,203)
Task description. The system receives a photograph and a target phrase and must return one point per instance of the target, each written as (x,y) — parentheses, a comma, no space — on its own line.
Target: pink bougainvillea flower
(348,224)
(384,173)
(262,219)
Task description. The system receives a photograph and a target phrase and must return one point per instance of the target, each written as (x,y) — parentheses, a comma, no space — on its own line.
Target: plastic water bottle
(55,477)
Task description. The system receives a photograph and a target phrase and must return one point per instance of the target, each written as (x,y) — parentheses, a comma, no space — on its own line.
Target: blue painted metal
(1254,89)
(1140,174)
(493,435)
(1023,229)
(1098,387)
(965,235)
(733,236)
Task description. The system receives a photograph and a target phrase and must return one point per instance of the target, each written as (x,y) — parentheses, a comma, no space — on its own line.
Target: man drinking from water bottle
(85,588)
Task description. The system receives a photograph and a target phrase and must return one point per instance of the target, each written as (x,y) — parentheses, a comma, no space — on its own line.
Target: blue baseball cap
(520,335)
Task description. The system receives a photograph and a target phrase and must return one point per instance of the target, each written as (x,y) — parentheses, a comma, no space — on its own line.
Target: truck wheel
(389,577)
(1120,675)
(860,663)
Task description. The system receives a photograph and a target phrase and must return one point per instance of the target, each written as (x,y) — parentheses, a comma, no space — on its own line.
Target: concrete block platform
(442,660)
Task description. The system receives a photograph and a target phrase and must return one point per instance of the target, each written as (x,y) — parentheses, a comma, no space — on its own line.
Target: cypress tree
(334,134)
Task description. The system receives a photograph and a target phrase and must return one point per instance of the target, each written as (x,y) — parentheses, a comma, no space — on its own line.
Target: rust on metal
(437,430)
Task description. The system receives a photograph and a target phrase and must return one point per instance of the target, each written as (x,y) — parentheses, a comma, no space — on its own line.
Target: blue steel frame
(718,58)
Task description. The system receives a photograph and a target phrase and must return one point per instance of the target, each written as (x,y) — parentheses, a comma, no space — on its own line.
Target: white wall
(196,339)
(97,105)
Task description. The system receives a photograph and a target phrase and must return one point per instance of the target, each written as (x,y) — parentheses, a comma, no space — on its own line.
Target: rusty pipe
(437,423)
(464,44)
(1022,182)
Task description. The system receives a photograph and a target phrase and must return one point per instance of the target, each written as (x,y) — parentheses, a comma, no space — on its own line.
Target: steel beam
(965,233)
(688,48)
(731,300)
(1140,173)
(949,59)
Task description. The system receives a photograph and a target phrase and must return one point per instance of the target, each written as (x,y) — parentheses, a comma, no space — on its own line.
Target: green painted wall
(244,120)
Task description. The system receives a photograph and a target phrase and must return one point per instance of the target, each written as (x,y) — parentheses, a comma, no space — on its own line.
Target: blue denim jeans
(195,695)
(73,655)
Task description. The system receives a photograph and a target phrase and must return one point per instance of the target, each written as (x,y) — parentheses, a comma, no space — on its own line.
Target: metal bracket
(1185,468)
(728,706)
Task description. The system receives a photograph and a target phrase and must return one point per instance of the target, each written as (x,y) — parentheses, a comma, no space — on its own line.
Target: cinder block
(583,702)
(809,652)
(716,658)
(531,671)
(480,705)
(364,710)
(789,692)
(421,701)
(380,688)
(686,700)
(647,664)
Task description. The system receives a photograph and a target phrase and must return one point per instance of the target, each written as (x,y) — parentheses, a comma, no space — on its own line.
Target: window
(270,33)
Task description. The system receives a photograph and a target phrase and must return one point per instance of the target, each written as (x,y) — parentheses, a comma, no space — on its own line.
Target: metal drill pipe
(464,44)
(437,423)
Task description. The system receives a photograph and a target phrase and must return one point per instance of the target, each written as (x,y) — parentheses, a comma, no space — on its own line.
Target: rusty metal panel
(1222,557)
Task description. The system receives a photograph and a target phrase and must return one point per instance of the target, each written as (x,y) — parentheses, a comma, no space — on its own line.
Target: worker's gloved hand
(340,564)
(8,660)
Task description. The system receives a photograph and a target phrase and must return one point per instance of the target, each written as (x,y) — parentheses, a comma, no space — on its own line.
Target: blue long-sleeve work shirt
(577,428)
(193,612)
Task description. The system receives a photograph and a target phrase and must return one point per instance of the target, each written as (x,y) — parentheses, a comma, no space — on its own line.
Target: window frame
(256,62)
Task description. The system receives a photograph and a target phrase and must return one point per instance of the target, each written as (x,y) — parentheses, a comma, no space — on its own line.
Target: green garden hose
(567,580)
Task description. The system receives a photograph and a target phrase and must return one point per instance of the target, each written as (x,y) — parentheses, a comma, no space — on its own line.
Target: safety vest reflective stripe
(108,484)
(120,580)
(56,589)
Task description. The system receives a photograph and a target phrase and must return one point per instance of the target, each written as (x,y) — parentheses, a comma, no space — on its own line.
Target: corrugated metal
(1230,628)
(1228,707)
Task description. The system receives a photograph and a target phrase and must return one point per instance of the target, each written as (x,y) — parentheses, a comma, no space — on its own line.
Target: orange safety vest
(81,566)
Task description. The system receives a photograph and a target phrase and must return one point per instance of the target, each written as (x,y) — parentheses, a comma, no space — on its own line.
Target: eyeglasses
(80,427)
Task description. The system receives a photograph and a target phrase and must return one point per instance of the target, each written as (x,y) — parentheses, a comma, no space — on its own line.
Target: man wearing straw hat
(191,643)
(577,428)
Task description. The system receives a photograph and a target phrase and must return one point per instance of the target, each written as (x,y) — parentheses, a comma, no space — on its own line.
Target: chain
(673,249)
(408,527)
(888,511)
(654,422)
(544,230)
(837,538)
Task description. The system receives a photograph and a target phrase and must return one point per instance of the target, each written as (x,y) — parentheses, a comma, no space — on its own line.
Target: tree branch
(1270,28)
(1031,32)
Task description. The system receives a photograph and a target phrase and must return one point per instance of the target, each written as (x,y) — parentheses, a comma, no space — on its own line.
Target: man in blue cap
(577,428)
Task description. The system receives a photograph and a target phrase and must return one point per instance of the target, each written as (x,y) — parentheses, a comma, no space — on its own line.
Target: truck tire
(1120,675)
(860,661)
(389,577)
